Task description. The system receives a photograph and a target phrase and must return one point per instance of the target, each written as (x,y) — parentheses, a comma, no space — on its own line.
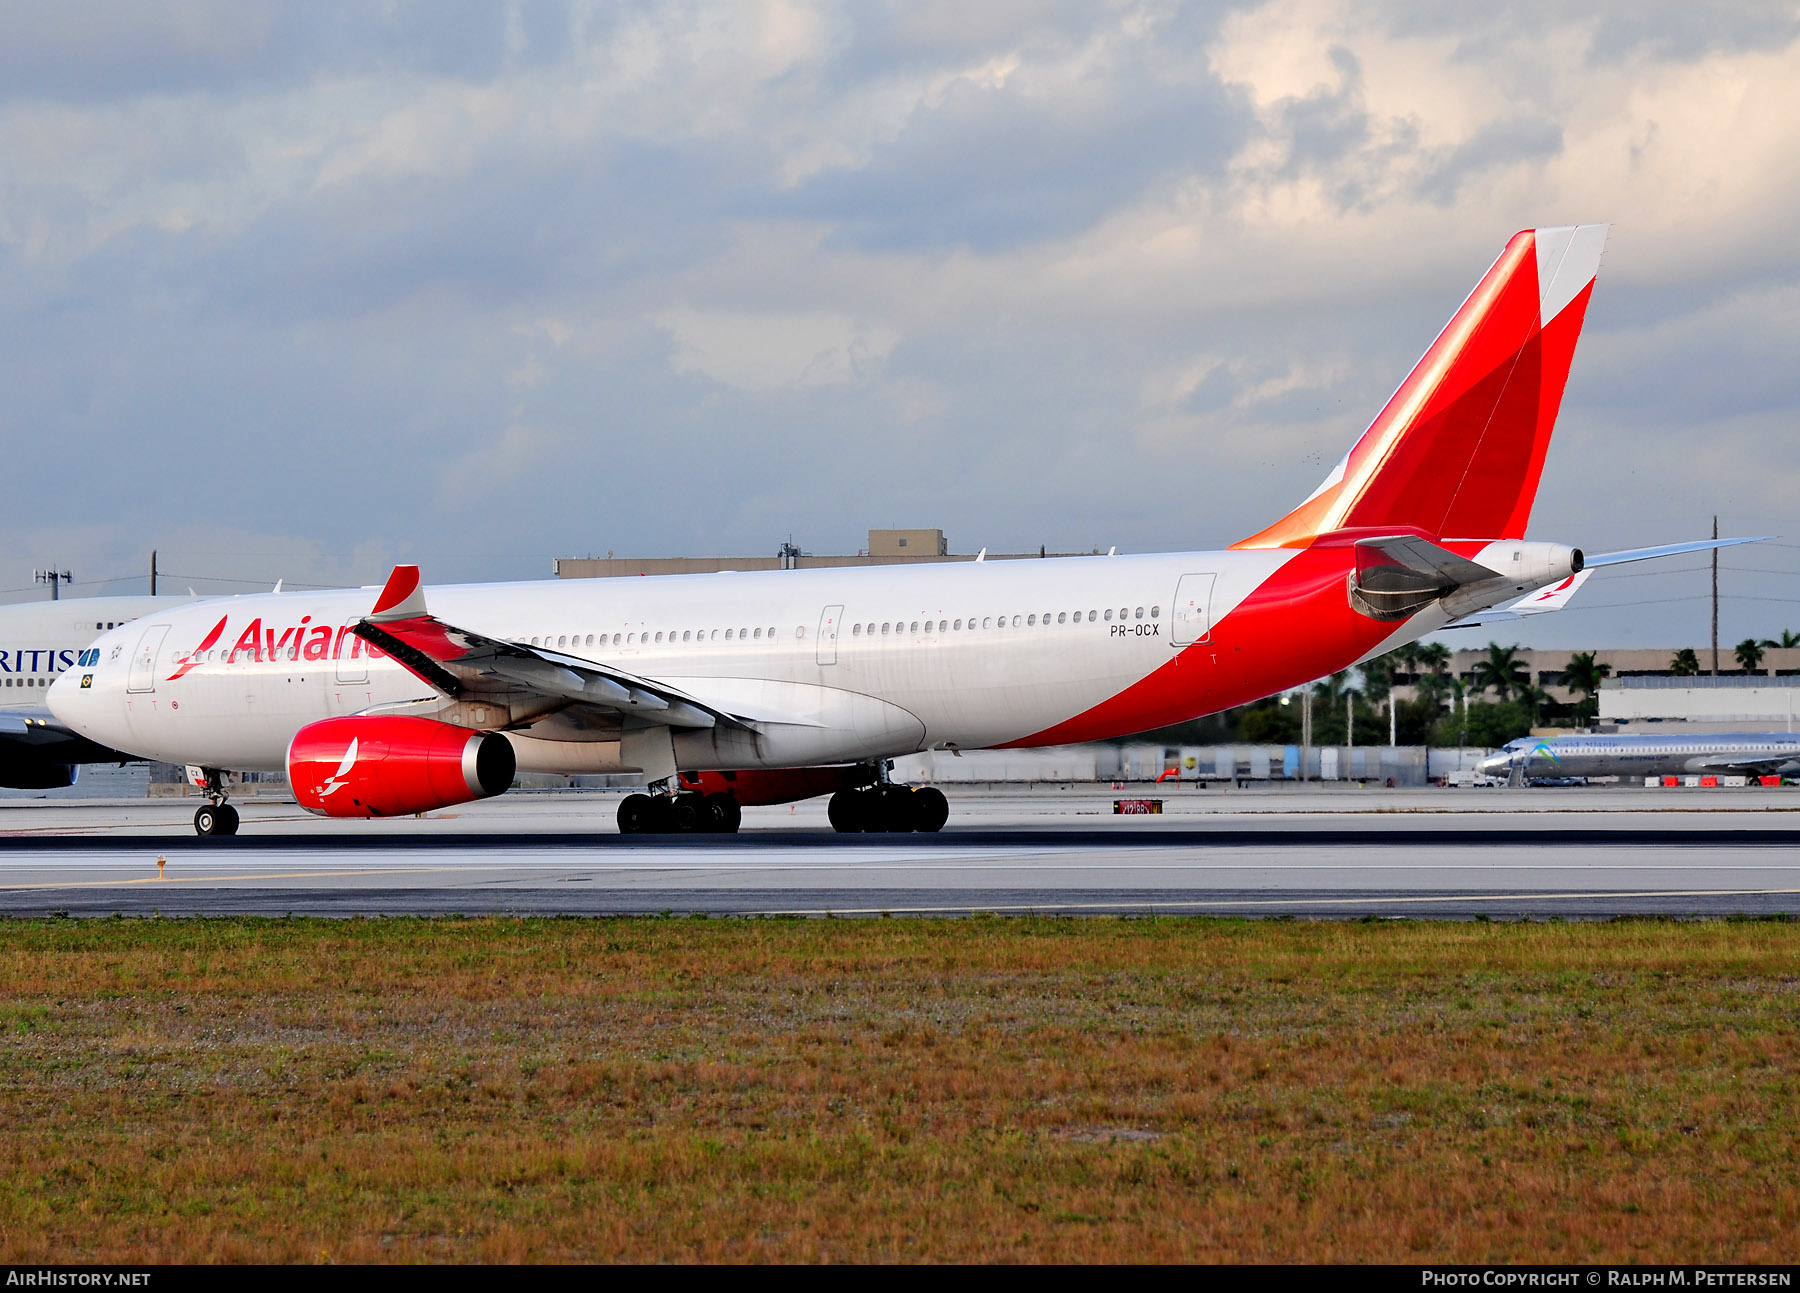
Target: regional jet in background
(729,689)
(1750,754)
(39,641)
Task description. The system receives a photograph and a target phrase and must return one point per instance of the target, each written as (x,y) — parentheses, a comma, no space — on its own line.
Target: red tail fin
(1458,450)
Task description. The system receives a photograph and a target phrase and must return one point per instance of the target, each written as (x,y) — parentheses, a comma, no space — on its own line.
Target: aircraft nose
(61,692)
(74,699)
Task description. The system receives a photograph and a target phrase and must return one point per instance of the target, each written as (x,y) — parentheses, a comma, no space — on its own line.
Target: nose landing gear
(215,817)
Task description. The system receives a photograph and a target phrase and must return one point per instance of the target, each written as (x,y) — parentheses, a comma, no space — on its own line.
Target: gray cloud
(340,285)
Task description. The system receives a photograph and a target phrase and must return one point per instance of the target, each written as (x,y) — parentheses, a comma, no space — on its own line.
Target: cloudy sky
(301,289)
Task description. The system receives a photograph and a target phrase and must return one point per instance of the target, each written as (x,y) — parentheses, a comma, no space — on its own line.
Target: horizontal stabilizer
(1669,550)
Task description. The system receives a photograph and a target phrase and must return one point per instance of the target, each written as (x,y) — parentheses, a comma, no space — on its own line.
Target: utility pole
(1393,724)
(1349,720)
(153,572)
(1715,573)
(56,579)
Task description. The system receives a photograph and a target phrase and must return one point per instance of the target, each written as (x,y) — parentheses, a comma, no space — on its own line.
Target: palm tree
(1585,674)
(1434,658)
(1749,654)
(1407,657)
(1502,670)
(1331,688)
(1533,697)
(1684,663)
(1378,678)
(1789,638)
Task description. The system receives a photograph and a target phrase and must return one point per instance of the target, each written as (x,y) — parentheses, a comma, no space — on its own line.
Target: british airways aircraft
(730,689)
(38,642)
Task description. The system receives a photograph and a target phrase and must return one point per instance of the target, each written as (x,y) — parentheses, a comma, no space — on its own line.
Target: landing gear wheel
(722,812)
(893,811)
(930,810)
(687,816)
(219,819)
(639,815)
(847,812)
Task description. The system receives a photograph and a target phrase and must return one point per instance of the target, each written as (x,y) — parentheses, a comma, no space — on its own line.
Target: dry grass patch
(982,1089)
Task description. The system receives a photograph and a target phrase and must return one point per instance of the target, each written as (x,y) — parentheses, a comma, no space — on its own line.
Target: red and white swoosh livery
(735,676)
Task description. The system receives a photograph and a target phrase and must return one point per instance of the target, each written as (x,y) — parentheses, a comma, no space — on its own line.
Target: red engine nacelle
(777,785)
(387,767)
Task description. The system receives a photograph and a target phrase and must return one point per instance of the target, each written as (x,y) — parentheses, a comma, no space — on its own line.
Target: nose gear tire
(211,820)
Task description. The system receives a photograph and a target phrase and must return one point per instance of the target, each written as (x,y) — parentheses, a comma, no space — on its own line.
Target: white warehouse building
(1728,703)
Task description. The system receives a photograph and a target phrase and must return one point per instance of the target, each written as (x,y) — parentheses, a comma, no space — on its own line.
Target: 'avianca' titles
(731,689)
(297,642)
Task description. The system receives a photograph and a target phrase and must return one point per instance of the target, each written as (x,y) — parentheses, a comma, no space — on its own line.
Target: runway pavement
(1579,854)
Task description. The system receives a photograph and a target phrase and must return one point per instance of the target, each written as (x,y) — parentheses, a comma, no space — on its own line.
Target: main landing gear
(216,817)
(683,814)
(889,808)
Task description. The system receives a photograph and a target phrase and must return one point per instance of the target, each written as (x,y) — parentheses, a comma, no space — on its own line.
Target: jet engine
(387,767)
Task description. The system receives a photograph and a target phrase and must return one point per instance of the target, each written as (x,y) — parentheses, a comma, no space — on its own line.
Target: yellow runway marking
(214,879)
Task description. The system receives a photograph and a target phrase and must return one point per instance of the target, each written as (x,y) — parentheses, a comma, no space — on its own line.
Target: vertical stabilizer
(1459,448)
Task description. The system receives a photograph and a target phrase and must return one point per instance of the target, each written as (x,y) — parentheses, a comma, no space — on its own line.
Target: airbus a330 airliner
(731,689)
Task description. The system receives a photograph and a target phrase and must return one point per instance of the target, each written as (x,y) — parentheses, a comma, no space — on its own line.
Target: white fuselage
(835,665)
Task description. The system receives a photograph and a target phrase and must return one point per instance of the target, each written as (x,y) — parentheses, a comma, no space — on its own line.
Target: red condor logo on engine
(297,642)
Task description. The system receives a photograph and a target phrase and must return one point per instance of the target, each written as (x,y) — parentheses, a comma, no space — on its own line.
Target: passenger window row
(645,639)
(1046,620)
(694,636)
(860,629)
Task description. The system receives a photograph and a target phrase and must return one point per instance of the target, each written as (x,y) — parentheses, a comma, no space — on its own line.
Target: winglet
(403,598)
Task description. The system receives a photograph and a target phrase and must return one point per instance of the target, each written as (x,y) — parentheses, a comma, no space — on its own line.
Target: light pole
(1306,733)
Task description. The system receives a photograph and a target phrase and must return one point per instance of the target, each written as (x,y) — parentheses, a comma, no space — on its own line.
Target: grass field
(975,1089)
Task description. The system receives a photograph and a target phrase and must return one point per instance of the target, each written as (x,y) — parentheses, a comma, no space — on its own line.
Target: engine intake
(388,767)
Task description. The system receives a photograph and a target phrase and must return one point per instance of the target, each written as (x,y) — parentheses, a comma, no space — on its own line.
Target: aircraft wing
(1749,765)
(36,736)
(528,682)
(1551,597)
